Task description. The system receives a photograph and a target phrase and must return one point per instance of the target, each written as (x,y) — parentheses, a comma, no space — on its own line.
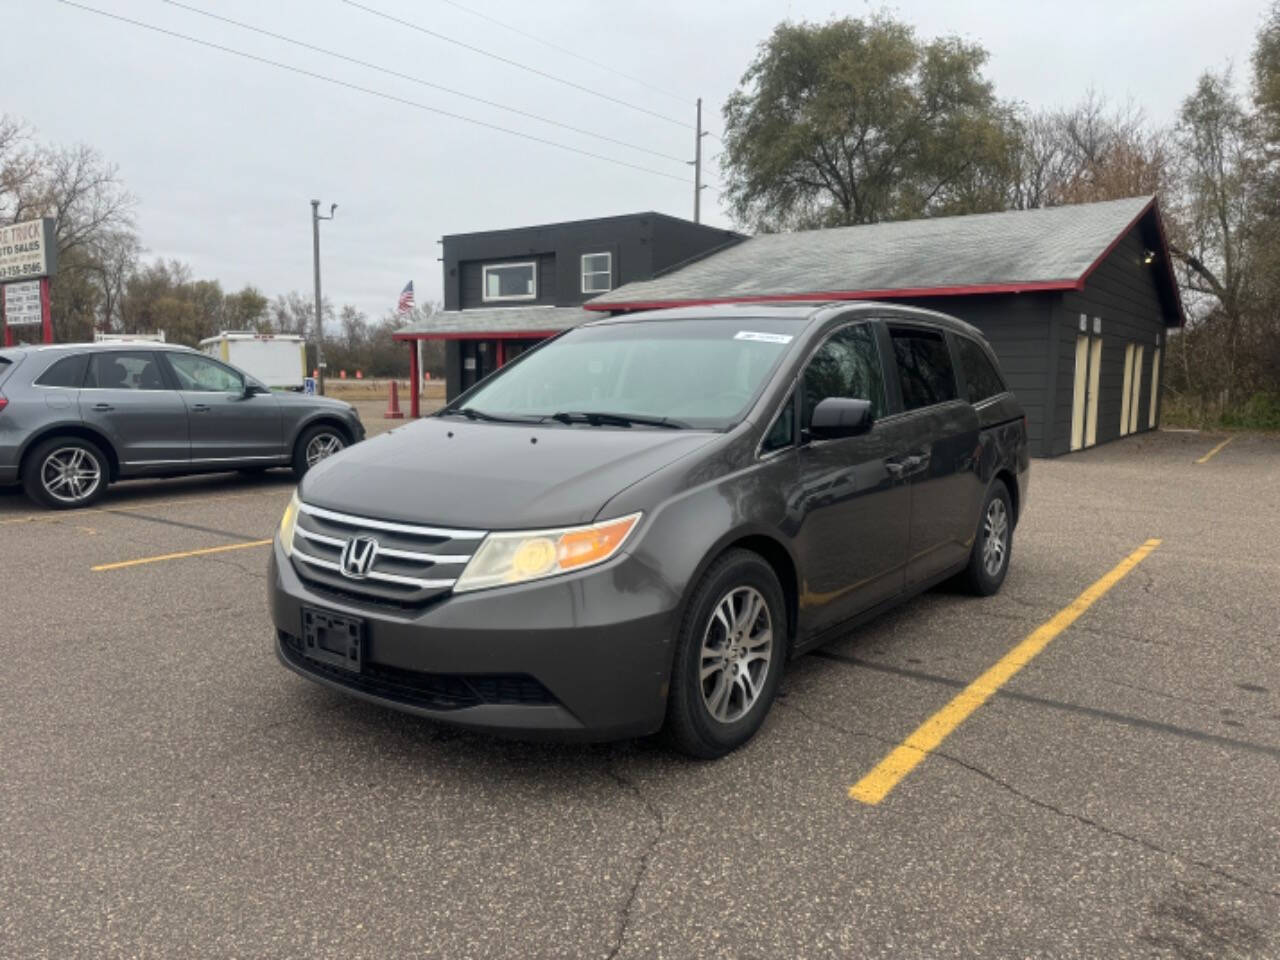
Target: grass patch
(1260,412)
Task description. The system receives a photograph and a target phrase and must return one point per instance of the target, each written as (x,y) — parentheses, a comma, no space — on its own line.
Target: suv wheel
(729,657)
(66,472)
(989,559)
(315,444)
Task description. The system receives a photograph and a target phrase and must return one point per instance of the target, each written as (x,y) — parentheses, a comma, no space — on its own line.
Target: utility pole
(315,251)
(697,168)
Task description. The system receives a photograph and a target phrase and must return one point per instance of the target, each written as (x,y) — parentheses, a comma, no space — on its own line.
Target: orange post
(393,404)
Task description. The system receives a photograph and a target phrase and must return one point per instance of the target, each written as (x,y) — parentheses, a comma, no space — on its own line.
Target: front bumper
(584,656)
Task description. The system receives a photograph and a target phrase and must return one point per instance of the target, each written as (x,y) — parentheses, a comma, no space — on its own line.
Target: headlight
(532,555)
(287,524)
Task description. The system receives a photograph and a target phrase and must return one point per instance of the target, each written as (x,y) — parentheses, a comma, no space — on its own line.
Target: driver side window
(847,365)
(198,373)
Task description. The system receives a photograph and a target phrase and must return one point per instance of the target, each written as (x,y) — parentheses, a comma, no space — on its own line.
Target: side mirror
(841,417)
(250,389)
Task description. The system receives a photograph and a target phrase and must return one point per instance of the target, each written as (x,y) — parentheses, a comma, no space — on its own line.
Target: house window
(597,272)
(510,281)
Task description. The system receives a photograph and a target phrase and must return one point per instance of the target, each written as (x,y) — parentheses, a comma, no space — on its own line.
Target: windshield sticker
(763,337)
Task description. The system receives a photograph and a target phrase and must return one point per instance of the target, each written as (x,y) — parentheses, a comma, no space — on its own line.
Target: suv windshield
(696,373)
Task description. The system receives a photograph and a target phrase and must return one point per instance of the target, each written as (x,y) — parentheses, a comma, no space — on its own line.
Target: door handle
(103,407)
(200,408)
(905,466)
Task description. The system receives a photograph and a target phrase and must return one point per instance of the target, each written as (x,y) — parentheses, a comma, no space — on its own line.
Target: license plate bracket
(333,639)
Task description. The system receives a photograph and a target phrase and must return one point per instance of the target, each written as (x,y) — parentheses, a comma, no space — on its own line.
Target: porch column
(415,381)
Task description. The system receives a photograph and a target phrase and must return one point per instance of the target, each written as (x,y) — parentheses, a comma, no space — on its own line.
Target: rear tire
(993,543)
(315,444)
(66,473)
(729,657)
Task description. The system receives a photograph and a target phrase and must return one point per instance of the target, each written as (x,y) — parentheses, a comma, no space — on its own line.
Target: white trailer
(277,359)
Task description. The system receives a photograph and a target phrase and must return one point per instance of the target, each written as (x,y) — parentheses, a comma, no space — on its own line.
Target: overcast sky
(224,154)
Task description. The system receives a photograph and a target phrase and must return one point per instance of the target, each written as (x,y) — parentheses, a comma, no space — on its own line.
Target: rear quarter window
(924,367)
(981,378)
(67,372)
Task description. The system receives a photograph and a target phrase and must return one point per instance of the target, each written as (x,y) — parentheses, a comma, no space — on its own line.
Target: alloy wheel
(323,445)
(737,646)
(70,474)
(995,537)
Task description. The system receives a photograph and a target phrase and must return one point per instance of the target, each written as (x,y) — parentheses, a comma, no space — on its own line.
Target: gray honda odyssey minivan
(635,525)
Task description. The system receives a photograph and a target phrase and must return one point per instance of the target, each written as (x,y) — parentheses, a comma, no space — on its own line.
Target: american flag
(406,298)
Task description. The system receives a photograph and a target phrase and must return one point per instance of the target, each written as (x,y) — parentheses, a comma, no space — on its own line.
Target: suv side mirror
(841,417)
(251,388)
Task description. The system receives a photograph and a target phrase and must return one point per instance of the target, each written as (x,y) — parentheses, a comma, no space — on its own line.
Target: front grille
(433,691)
(412,564)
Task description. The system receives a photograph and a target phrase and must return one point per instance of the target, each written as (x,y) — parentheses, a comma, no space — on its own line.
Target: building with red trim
(1076,300)
(507,290)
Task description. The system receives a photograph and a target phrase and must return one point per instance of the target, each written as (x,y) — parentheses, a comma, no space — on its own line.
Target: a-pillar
(415,381)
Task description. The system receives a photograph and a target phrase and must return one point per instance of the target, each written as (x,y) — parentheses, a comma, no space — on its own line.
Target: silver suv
(75,417)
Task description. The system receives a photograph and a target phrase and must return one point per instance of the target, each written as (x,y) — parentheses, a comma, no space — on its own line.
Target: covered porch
(478,342)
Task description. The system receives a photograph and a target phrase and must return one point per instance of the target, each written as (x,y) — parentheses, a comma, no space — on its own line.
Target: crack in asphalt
(1112,716)
(1179,698)
(1107,830)
(642,868)
(1095,825)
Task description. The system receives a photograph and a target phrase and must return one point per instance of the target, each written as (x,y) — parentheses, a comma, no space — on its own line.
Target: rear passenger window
(125,370)
(847,365)
(981,378)
(924,367)
(67,372)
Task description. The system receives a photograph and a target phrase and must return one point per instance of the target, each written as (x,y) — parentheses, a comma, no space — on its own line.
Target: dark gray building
(505,290)
(1076,300)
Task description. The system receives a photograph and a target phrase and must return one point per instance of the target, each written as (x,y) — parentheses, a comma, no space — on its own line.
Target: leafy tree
(857,121)
(246,309)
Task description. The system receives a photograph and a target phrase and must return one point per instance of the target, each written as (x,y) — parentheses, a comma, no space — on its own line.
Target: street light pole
(315,251)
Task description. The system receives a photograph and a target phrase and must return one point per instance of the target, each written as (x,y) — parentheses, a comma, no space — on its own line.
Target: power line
(569,50)
(376,93)
(514,63)
(419,80)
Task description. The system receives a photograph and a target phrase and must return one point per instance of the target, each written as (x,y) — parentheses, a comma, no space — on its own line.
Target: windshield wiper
(471,413)
(600,419)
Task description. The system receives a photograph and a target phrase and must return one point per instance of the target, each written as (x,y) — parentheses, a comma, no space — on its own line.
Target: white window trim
(484,281)
(582,271)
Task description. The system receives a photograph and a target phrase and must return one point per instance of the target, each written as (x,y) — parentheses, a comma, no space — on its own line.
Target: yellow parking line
(1205,458)
(875,786)
(178,556)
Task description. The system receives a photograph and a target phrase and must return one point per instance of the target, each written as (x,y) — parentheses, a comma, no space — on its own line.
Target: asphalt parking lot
(169,790)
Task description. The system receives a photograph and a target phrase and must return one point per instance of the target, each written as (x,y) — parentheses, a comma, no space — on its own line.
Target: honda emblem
(358,556)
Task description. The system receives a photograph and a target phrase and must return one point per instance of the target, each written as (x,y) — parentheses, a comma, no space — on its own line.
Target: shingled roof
(1011,252)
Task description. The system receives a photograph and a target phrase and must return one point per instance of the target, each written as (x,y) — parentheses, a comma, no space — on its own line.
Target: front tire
(729,657)
(315,444)
(993,544)
(65,473)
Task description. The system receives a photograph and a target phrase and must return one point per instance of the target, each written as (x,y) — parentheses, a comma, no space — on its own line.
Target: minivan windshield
(694,373)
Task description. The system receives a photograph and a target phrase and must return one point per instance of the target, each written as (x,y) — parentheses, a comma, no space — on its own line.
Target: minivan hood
(492,476)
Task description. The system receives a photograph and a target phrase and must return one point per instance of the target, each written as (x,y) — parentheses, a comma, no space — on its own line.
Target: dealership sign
(27,250)
(22,306)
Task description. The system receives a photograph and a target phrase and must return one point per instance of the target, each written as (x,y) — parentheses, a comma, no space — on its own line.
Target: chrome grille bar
(411,529)
(373,574)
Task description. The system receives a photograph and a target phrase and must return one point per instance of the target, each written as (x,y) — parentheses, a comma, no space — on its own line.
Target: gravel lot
(170,790)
